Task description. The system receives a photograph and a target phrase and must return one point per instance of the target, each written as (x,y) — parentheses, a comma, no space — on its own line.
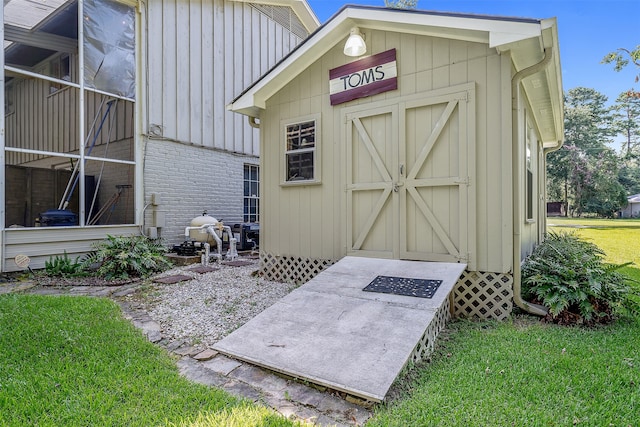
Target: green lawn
(523,373)
(74,361)
(619,238)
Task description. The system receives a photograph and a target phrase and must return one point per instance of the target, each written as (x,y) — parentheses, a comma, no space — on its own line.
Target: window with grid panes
(300,151)
(251,193)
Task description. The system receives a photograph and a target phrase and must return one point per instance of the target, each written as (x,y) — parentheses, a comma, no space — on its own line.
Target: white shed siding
(531,228)
(201,54)
(309,221)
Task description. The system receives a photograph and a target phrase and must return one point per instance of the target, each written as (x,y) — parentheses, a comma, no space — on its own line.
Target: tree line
(587,174)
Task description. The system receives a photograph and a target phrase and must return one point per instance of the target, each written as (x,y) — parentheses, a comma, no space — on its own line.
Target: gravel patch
(207,308)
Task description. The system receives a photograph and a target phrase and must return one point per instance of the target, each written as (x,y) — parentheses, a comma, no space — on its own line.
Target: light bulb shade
(355,45)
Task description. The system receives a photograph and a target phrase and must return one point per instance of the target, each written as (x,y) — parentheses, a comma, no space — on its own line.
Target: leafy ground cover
(74,361)
(567,274)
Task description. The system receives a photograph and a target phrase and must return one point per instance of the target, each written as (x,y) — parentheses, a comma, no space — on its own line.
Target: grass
(619,239)
(75,361)
(594,222)
(524,373)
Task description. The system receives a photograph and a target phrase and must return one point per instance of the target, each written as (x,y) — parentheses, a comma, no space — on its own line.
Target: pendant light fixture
(355,45)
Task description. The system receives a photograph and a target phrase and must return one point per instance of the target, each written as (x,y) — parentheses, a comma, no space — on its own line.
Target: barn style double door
(410,177)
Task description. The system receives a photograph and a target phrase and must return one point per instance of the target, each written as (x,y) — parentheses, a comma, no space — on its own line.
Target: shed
(632,210)
(115,110)
(430,147)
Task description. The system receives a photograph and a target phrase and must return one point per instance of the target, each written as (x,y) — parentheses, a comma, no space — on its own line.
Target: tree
(401,4)
(629,175)
(582,168)
(621,58)
(627,124)
(604,195)
(627,121)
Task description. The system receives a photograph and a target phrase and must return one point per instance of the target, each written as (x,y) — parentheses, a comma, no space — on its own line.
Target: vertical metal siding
(202,54)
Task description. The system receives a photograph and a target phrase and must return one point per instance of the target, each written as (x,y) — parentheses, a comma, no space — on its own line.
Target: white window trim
(530,168)
(247,217)
(317,161)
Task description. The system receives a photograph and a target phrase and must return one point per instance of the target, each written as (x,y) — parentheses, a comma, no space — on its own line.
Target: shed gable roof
(526,39)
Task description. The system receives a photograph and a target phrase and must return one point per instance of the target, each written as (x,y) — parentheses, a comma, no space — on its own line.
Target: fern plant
(569,276)
(121,257)
(62,266)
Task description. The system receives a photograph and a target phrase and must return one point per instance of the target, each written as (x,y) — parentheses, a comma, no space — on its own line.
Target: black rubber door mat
(421,288)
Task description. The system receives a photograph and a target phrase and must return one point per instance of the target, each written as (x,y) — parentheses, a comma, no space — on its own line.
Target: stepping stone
(170,280)
(237,263)
(203,269)
(207,354)
(185,351)
(222,365)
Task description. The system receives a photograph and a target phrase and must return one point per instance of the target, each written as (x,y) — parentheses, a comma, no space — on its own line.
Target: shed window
(300,152)
(529,167)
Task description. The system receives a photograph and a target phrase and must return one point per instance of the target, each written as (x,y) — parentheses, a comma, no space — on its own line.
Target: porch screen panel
(109,47)
(43,145)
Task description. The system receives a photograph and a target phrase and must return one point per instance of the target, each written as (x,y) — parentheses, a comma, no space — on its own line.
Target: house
(115,121)
(633,207)
(430,146)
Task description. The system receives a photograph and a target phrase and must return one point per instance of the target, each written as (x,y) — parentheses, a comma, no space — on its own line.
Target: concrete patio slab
(332,333)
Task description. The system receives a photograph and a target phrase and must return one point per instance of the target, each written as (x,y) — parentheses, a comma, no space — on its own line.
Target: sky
(587,31)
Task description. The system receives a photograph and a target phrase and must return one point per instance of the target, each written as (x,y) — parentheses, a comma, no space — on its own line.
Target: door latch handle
(396,186)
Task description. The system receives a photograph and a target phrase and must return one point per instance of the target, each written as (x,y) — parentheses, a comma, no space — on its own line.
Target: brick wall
(191,180)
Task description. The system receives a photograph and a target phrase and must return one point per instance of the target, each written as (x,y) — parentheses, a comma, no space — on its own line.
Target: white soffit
(28,14)
(483,29)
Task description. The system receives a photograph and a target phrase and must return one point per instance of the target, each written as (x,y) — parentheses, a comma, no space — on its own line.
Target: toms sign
(365,77)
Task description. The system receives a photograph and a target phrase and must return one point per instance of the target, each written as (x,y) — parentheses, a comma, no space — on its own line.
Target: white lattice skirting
(291,269)
(477,294)
(485,295)
(427,343)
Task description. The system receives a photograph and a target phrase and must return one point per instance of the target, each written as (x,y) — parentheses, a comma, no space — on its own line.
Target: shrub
(568,276)
(119,257)
(62,266)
